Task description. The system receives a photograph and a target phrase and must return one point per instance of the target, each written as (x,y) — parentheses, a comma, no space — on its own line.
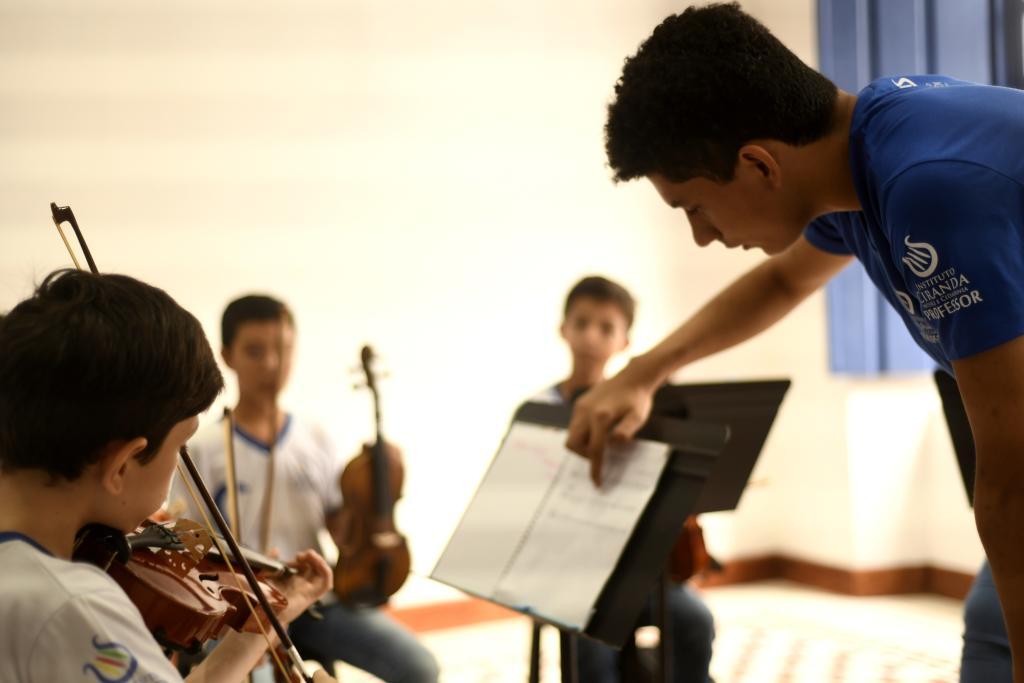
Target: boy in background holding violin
(102,378)
(278,477)
(597,317)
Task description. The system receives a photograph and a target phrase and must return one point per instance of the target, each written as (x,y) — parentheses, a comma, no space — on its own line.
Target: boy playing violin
(286,491)
(102,378)
(597,317)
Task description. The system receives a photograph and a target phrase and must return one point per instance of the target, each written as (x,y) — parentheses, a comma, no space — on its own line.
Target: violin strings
(238,581)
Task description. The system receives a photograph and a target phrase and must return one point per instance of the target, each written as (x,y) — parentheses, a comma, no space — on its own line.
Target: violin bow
(229,471)
(63,214)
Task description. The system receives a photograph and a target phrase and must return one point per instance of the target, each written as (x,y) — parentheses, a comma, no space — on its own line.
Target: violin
(373,557)
(208,600)
(689,556)
(173,573)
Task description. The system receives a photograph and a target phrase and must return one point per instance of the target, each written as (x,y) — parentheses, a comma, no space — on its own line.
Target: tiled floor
(771,632)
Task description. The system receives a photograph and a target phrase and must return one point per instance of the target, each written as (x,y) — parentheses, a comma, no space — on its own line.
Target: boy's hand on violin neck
(610,413)
(313,578)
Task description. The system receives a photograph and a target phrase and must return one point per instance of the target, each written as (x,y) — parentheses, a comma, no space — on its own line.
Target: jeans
(986,654)
(368,639)
(692,632)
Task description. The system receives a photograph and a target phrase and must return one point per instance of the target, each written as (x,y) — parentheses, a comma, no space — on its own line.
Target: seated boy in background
(597,317)
(102,379)
(287,491)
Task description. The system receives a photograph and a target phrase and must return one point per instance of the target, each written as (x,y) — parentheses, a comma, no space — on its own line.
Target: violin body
(373,558)
(185,596)
(689,555)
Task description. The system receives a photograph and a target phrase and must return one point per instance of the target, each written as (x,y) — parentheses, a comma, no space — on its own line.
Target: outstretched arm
(616,409)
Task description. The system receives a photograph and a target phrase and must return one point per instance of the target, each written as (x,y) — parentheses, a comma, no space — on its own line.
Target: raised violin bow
(63,214)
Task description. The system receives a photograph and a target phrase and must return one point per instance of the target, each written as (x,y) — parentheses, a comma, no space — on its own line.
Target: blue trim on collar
(264,447)
(15,536)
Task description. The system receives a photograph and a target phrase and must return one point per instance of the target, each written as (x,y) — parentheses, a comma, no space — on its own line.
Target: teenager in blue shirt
(919,177)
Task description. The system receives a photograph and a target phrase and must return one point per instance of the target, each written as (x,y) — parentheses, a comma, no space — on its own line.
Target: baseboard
(949,583)
(912,579)
(449,614)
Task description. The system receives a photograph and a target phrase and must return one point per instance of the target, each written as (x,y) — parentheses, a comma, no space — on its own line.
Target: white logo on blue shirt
(905,299)
(904,82)
(921,257)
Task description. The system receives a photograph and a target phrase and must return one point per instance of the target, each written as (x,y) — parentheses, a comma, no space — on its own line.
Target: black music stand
(959,429)
(749,410)
(695,447)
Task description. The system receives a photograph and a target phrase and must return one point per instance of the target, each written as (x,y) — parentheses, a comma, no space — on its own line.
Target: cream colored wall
(429,178)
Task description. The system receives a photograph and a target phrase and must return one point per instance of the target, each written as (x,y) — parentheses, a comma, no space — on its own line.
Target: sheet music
(539,535)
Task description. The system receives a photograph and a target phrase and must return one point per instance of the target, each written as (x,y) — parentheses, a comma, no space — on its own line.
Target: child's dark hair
(253,307)
(705,83)
(602,289)
(90,359)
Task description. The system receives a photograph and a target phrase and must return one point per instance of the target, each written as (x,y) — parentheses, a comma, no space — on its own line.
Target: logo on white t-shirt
(112,663)
(921,257)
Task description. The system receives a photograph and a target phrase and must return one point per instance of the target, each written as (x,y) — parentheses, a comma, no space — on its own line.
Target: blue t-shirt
(938,165)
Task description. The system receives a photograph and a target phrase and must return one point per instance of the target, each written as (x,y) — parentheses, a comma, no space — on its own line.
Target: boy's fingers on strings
(312,566)
(320,567)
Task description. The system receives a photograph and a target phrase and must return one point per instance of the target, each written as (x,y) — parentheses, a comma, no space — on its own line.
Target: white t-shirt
(64,622)
(306,488)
